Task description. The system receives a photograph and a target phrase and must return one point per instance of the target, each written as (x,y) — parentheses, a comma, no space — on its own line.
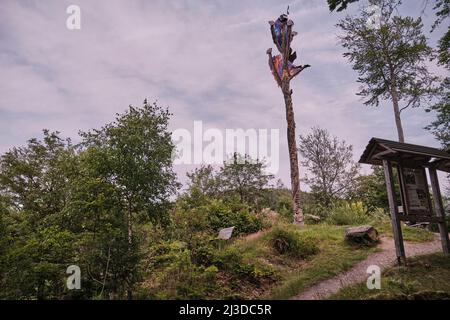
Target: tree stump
(367,235)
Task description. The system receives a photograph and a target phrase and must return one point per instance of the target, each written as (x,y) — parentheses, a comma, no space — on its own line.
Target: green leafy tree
(83,205)
(440,127)
(339,5)
(371,189)
(204,180)
(239,178)
(203,184)
(442,9)
(389,58)
(134,155)
(97,215)
(330,163)
(4,242)
(33,192)
(34,177)
(245,178)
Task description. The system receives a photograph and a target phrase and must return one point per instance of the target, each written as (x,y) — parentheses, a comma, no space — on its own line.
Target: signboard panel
(225,233)
(415,190)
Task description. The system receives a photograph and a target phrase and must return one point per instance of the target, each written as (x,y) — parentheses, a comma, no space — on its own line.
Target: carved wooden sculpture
(284,71)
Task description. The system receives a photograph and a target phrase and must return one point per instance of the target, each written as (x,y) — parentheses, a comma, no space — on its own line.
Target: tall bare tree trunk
(293,156)
(398,120)
(394,96)
(284,82)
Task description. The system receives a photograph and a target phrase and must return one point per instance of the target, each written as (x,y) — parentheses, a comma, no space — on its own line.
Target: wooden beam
(427,191)
(383,153)
(440,164)
(387,148)
(419,218)
(396,226)
(409,163)
(439,208)
(403,193)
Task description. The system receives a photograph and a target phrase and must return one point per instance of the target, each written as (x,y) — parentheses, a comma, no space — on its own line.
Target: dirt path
(357,274)
(256,235)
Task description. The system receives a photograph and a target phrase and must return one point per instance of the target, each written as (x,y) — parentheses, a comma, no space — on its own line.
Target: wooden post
(396,226)
(439,209)
(403,194)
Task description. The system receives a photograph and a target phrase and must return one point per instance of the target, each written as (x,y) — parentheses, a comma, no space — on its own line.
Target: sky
(205,60)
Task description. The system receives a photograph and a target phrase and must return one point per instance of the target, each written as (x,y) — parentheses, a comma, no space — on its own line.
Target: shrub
(172,274)
(191,226)
(204,254)
(279,200)
(231,260)
(222,215)
(198,225)
(285,210)
(315,209)
(348,214)
(292,243)
(380,215)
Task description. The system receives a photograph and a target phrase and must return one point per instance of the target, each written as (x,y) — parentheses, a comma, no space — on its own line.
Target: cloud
(204,59)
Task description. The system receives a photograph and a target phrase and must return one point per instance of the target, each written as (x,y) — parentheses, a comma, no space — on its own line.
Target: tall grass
(348,213)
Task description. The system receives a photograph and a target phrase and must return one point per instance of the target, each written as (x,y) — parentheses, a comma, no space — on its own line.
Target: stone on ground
(362,234)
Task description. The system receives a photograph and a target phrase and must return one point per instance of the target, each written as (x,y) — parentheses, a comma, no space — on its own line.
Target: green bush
(292,243)
(348,214)
(172,274)
(315,209)
(166,253)
(279,200)
(204,254)
(222,215)
(212,216)
(232,261)
(285,210)
(379,215)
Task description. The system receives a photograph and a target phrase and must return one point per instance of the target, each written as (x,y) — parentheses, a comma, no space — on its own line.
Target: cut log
(313,217)
(362,235)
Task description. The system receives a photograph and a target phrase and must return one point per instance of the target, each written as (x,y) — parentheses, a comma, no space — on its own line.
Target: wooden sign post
(396,226)
(411,162)
(439,207)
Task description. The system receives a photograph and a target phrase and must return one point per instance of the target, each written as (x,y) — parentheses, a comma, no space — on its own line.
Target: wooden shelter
(411,160)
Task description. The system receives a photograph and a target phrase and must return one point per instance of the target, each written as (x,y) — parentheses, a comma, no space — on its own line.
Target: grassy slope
(335,256)
(295,275)
(409,233)
(426,277)
(273,276)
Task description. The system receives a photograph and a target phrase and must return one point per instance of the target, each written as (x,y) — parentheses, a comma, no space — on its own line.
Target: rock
(362,234)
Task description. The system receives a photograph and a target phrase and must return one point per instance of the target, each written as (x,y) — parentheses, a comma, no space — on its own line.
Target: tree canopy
(330,164)
(62,204)
(390,59)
